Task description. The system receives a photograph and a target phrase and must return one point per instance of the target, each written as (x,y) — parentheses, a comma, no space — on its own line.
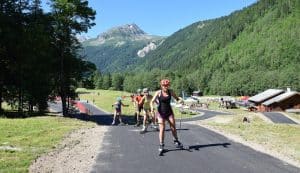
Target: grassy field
(23,140)
(294,115)
(281,138)
(105,98)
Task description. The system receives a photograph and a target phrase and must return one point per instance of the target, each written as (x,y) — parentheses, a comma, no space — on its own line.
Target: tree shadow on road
(104,119)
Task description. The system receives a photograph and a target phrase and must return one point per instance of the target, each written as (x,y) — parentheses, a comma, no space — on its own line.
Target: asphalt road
(277,117)
(206,114)
(125,150)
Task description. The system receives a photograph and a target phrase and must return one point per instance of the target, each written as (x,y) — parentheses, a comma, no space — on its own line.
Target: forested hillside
(248,51)
(118,48)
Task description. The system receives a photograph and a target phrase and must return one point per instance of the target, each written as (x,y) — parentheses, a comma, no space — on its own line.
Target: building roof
(280,98)
(265,95)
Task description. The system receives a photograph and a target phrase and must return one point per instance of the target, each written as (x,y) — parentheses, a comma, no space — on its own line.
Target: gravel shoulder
(76,153)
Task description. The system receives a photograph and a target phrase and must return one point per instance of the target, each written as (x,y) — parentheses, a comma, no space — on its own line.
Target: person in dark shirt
(165,112)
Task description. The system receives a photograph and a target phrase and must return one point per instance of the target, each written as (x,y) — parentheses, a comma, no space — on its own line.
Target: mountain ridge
(119,48)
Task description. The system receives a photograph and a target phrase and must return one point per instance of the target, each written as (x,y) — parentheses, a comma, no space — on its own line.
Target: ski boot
(180,145)
(137,124)
(155,127)
(143,131)
(177,143)
(122,124)
(161,149)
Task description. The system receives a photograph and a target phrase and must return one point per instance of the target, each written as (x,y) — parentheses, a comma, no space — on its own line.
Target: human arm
(142,100)
(124,104)
(153,100)
(178,99)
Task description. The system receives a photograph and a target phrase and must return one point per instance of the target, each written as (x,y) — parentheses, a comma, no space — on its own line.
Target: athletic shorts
(118,110)
(148,112)
(139,108)
(165,117)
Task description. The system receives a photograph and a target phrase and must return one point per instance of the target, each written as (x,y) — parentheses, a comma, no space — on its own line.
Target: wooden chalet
(288,100)
(276,100)
(260,98)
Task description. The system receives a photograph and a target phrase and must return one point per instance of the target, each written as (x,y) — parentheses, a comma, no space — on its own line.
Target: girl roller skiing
(118,111)
(165,113)
(148,114)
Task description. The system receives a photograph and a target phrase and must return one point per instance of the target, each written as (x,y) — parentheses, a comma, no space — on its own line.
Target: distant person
(118,111)
(138,106)
(165,112)
(221,102)
(132,96)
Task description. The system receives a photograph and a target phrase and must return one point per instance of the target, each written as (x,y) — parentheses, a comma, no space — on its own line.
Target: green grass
(281,138)
(33,137)
(105,98)
(295,116)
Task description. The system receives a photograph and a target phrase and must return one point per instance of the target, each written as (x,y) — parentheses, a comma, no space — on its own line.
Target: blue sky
(159,17)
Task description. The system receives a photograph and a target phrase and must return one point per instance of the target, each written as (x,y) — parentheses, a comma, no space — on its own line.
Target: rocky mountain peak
(124,31)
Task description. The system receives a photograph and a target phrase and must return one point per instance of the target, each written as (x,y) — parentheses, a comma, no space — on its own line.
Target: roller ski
(179,145)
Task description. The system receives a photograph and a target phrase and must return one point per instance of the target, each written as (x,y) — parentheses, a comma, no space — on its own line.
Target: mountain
(82,38)
(119,48)
(245,52)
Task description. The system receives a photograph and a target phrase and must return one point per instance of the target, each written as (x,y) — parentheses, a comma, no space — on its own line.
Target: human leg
(172,123)
(114,118)
(145,124)
(120,117)
(138,113)
(161,123)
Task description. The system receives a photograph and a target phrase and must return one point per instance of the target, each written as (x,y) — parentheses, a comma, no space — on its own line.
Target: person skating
(165,112)
(138,106)
(118,111)
(145,101)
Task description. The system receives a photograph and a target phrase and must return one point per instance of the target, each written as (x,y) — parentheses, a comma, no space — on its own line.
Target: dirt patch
(76,153)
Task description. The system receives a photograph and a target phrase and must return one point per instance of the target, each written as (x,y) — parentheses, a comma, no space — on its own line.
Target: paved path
(205,115)
(277,117)
(125,150)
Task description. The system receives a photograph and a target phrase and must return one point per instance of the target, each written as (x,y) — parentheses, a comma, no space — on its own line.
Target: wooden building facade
(276,100)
